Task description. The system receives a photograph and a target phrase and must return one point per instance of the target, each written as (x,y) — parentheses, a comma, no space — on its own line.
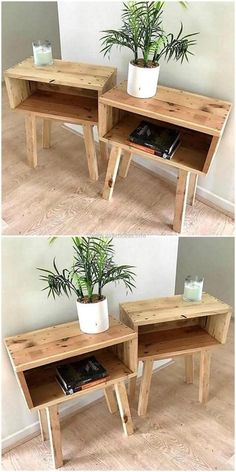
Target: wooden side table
(201,121)
(65,91)
(169,327)
(35,355)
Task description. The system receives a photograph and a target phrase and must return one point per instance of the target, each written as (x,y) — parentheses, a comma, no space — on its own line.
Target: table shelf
(172,342)
(45,390)
(61,106)
(190,155)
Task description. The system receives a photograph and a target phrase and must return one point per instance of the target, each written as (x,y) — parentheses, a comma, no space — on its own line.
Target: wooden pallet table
(65,91)
(169,327)
(201,121)
(36,354)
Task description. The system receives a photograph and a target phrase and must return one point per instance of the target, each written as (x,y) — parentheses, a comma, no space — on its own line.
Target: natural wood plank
(190,155)
(43,424)
(192,187)
(211,153)
(189,368)
(218,326)
(18,90)
(181,200)
(59,342)
(31,139)
(90,152)
(46,134)
(125,164)
(204,381)
(61,72)
(20,376)
(55,435)
(145,387)
(103,151)
(62,107)
(179,107)
(132,389)
(111,174)
(124,409)
(174,342)
(163,309)
(110,399)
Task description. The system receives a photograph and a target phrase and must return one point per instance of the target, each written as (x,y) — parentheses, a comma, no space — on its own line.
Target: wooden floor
(177,434)
(58,198)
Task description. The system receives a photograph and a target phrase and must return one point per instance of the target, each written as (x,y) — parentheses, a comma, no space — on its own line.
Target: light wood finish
(204,382)
(111,174)
(200,120)
(181,200)
(189,368)
(179,107)
(110,399)
(31,139)
(170,327)
(192,187)
(43,422)
(125,164)
(132,389)
(91,152)
(173,422)
(46,134)
(124,409)
(63,194)
(65,91)
(55,435)
(35,356)
(145,387)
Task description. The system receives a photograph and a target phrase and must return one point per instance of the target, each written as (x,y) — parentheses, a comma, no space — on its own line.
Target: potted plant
(92,269)
(142,32)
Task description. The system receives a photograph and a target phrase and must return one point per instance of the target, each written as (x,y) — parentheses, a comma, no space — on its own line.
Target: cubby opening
(190,155)
(44,388)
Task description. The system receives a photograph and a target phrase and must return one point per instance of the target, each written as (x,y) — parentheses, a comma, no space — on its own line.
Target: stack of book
(158,140)
(75,376)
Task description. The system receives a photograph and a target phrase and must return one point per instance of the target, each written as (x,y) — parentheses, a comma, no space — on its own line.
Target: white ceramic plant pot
(93,317)
(142,81)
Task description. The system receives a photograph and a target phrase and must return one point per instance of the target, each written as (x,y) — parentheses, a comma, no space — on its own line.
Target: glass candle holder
(42,51)
(193,288)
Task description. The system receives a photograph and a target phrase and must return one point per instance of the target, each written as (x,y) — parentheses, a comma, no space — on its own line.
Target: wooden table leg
(192,188)
(103,151)
(31,139)
(189,368)
(111,174)
(181,200)
(110,399)
(145,387)
(90,151)
(55,435)
(204,381)
(125,164)
(46,133)
(123,404)
(43,424)
(132,388)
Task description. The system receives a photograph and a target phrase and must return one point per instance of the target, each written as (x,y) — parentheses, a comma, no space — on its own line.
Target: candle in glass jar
(193,289)
(42,51)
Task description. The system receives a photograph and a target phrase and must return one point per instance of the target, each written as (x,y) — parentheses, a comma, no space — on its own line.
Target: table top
(159,310)
(47,345)
(61,72)
(179,107)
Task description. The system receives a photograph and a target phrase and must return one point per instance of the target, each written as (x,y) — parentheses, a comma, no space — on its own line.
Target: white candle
(42,51)
(193,289)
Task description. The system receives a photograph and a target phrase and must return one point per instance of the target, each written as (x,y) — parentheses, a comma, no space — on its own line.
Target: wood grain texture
(90,152)
(204,381)
(64,195)
(192,187)
(179,107)
(181,200)
(31,139)
(111,174)
(43,422)
(124,408)
(189,368)
(174,420)
(125,164)
(110,399)
(145,387)
(46,134)
(55,436)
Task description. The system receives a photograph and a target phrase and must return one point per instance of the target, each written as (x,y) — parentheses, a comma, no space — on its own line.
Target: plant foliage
(93,267)
(142,31)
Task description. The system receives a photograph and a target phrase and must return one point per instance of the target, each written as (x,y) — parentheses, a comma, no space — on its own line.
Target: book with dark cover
(162,140)
(155,152)
(74,375)
(91,383)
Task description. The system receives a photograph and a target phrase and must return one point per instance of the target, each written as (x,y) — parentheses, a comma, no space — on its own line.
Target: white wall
(210,72)
(25,307)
